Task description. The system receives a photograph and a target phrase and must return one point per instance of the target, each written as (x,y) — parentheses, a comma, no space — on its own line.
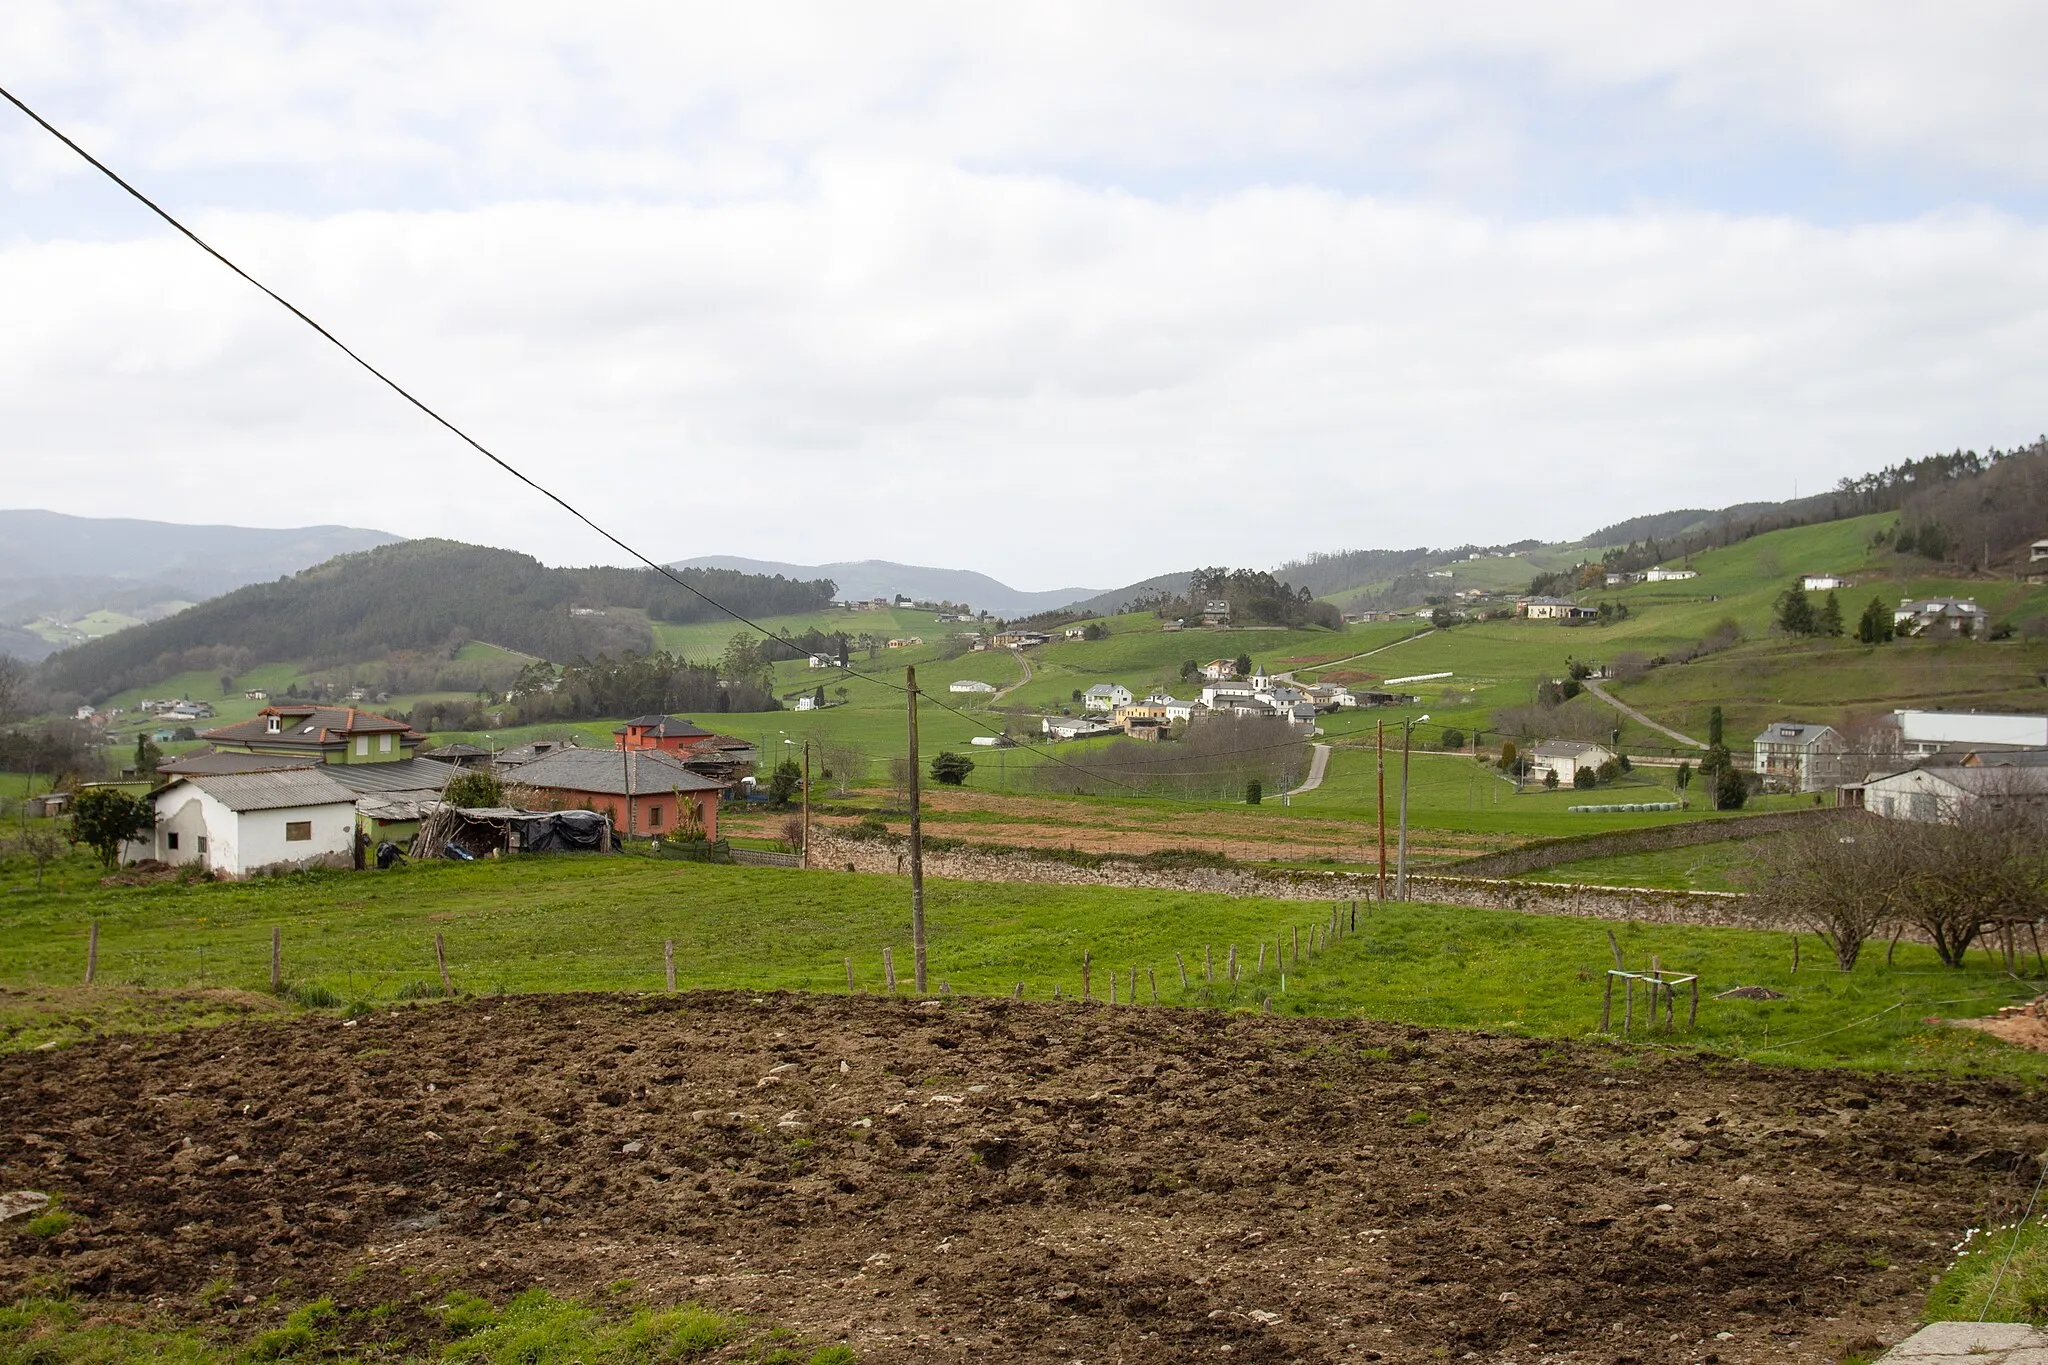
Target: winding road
(1638,717)
(1319,762)
(1022,663)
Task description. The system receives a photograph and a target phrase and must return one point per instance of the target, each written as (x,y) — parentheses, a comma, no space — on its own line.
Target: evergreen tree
(1874,626)
(1795,611)
(147,756)
(1731,789)
(1714,728)
(1829,619)
(951,768)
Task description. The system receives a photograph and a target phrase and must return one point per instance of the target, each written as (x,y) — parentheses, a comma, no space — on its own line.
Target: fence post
(276,958)
(849,976)
(1262,958)
(1112,988)
(889,970)
(441,961)
(1087,961)
(1607,1004)
(1153,977)
(668,964)
(1795,952)
(1297,945)
(1233,962)
(1615,944)
(1018,994)
(1134,984)
(1183,969)
(92,952)
(1628,1003)
(1692,1016)
(1209,964)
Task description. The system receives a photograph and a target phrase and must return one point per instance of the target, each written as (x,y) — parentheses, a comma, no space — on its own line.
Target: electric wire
(471,441)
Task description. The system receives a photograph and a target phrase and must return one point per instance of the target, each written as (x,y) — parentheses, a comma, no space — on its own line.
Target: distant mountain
(202,561)
(1111,602)
(421,596)
(867,578)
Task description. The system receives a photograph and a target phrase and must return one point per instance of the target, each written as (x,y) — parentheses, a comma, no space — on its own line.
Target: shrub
(1550,779)
(951,768)
(1731,788)
(1254,792)
(1610,770)
(1585,779)
(1454,739)
(104,818)
(473,789)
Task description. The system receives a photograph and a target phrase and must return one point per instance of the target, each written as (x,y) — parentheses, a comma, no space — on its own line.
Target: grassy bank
(555,924)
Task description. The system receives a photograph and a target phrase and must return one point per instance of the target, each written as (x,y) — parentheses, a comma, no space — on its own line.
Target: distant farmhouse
(1937,617)
(1566,757)
(1801,757)
(1668,575)
(1554,609)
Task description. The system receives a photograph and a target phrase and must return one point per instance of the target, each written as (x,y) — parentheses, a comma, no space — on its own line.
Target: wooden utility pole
(1380,758)
(806,850)
(916,840)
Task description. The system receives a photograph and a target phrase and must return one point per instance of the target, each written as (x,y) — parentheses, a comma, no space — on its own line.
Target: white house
(1218,696)
(1668,575)
(807,702)
(2037,552)
(237,823)
(1176,709)
(1220,670)
(1565,757)
(970,685)
(823,661)
(1074,727)
(1938,616)
(1553,609)
(1106,697)
(1822,582)
(1804,757)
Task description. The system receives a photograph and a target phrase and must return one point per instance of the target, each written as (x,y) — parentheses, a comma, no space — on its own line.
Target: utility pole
(806,851)
(1401,864)
(626,779)
(916,839)
(1380,759)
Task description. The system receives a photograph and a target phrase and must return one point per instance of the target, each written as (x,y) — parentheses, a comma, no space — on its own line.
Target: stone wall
(1544,853)
(888,855)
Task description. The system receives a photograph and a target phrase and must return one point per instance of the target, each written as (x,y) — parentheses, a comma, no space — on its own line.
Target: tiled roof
(406,775)
(271,791)
(603,771)
(310,724)
(664,727)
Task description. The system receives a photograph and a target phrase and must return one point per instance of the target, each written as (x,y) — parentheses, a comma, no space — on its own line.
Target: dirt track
(989,1181)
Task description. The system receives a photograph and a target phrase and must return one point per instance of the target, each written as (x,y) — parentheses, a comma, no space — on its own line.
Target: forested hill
(418,595)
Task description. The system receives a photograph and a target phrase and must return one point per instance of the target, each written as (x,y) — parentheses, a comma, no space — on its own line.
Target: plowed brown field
(996,1181)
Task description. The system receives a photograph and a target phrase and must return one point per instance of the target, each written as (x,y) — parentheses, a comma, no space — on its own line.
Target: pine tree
(1795,611)
(1829,621)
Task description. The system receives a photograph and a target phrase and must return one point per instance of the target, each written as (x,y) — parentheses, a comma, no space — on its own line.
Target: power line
(464,436)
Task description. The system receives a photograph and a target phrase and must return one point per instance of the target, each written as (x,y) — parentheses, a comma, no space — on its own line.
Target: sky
(1071,294)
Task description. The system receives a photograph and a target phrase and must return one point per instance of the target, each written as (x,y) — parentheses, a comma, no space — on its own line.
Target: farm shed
(237,823)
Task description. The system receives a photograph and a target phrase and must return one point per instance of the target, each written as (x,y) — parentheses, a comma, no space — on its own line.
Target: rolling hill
(860,580)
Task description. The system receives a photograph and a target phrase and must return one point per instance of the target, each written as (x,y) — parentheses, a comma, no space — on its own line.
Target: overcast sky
(1070,294)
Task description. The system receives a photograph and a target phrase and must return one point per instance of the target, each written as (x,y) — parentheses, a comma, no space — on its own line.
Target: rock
(21,1203)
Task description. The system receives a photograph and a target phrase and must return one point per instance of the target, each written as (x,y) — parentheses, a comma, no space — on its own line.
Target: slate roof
(217,761)
(664,727)
(603,771)
(270,791)
(310,724)
(1792,732)
(406,775)
(1564,748)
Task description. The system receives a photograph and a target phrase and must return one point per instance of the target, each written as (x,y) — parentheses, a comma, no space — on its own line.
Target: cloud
(1061,293)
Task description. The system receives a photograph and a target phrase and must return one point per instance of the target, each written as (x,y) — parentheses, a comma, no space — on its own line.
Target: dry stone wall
(1653,839)
(889,856)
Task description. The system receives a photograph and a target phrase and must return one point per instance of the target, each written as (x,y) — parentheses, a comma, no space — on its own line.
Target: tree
(42,847)
(13,683)
(1684,776)
(1623,762)
(840,692)
(227,683)
(1094,630)
(1610,771)
(1731,788)
(951,768)
(1454,739)
(1874,626)
(147,756)
(1550,779)
(104,818)
(473,789)
(818,697)
(1829,619)
(845,762)
(1254,792)
(1585,779)
(1794,611)
(1189,670)
(1715,728)
(1077,694)
(785,782)
(1508,754)
(1243,665)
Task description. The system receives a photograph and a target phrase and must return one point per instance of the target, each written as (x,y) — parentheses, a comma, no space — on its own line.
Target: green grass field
(551,924)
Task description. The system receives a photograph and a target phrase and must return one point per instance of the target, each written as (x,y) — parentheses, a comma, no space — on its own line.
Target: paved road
(1317,764)
(1022,663)
(1638,717)
(1367,654)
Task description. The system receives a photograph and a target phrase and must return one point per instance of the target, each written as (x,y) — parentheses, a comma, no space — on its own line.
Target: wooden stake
(1628,1003)
(1112,988)
(1086,961)
(1380,764)
(1615,944)
(441,961)
(92,952)
(1134,986)
(889,970)
(1297,945)
(276,958)
(1018,994)
(1692,1016)
(849,976)
(1209,964)
(1183,970)
(917,945)
(1795,952)
(1153,977)
(1607,1004)
(668,966)
(1233,962)
(1262,959)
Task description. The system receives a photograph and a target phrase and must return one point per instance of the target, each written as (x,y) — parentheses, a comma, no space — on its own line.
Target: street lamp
(1401,862)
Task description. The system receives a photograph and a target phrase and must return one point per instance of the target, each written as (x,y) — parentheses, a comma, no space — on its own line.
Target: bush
(104,818)
(1585,779)
(474,789)
(1731,788)
(1610,771)
(1454,739)
(1550,779)
(951,768)
(1254,792)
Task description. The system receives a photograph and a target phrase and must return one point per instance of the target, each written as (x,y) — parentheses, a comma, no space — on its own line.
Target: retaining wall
(1544,853)
(888,855)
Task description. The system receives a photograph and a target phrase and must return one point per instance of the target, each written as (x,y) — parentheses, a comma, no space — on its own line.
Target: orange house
(668,734)
(645,791)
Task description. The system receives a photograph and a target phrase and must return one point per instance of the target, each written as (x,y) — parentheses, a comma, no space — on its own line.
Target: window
(654,817)
(362,744)
(202,845)
(171,839)
(297,831)
(383,744)
(271,725)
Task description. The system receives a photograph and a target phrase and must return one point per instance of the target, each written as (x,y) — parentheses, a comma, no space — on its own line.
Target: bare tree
(846,761)
(1844,881)
(13,683)
(41,847)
